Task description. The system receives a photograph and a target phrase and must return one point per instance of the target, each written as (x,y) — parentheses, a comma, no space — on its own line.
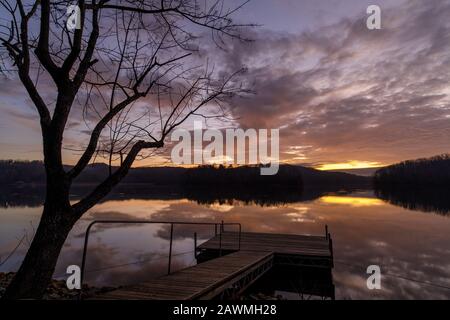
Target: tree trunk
(37,268)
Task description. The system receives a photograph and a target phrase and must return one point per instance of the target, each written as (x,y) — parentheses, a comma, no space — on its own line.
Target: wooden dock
(203,281)
(279,244)
(225,271)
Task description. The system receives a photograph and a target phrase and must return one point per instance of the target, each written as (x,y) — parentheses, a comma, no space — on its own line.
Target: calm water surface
(406,244)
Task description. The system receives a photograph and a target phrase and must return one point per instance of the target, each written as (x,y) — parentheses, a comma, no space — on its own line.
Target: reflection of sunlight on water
(352,201)
(300,217)
(301,209)
(221,207)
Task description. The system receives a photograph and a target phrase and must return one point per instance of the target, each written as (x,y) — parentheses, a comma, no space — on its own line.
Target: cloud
(350,93)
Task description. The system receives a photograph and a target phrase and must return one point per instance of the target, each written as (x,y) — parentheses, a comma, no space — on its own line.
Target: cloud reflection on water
(365,231)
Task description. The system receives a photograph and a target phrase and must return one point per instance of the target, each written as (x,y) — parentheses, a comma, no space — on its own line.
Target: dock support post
(220,244)
(331,251)
(170,248)
(220,238)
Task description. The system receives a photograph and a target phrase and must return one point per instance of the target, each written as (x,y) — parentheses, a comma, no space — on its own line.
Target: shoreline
(57,289)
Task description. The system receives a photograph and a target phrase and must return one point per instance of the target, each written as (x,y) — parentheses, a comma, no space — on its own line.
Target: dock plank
(277,243)
(194,282)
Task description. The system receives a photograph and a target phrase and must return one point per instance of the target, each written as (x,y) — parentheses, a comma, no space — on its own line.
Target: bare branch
(106,186)
(95,135)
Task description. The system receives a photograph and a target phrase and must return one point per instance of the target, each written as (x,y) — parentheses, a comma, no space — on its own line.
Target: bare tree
(129,70)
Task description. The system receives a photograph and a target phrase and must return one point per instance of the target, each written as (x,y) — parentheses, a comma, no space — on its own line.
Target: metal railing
(171,223)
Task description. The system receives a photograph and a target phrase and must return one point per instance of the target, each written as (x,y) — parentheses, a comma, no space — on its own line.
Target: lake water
(412,247)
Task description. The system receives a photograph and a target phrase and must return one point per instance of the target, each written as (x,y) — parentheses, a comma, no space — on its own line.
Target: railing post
(83,261)
(170,248)
(215,229)
(222,228)
(326,231)
(195,245)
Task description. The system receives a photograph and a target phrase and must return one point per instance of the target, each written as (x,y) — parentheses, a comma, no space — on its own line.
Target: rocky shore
(57,289)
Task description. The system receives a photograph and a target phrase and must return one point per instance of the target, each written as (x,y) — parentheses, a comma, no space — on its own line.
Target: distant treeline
(22,184)
(26,172)
(433,171)
(22,172)
(286,176)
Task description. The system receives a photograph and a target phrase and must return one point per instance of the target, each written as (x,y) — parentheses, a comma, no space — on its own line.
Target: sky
(342,95)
